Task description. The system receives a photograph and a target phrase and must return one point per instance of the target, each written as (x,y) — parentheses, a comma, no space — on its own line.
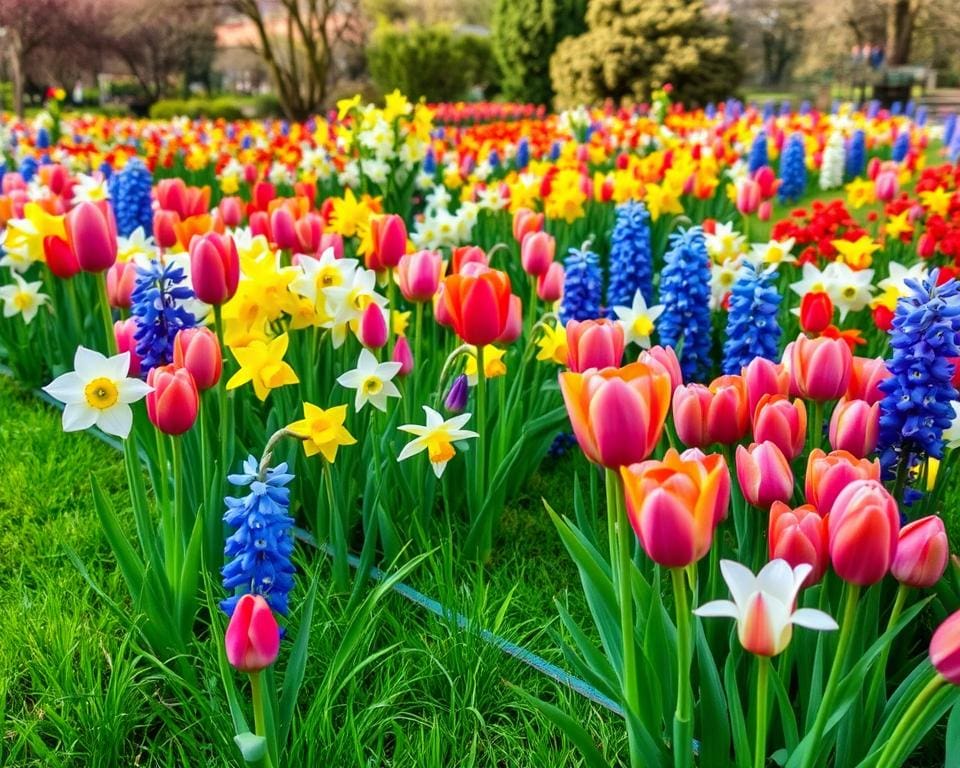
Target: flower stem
(481,419)
(179,503)
(610,477)
(259,720)
(683,717)
(911,719)
(851,597)
(105,314)
(760,750)
(879,673)
(816,425)
(222,396)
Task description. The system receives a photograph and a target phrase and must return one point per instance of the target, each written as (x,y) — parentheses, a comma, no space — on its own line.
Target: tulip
(764,377)
(262,194)
(886,185)
(172,196)
(748,196)
(799,536)
(389,235)
(165,228)
(524,222)
(617,414)
(819,368)
(767,179)
(260,225)
(419,275)
(173,404)
(550,283)
(829,473)
(231,211)
(121,278)
(816,312)
(945,649)
(866,376)
(403,355)
(372,330)
(714,414)
(331,240)
(764,474)
(668,359)
(594,344)
(92,234)
(467,254)
(514,326)
(309,229)
(922,552)
(253,637)
(711,461)
(60,257)
(781,422)
(671,505)
(854,427)
(457,395)
(537,253)
(214,267)
(198,350)
(283,228)
(123,332)
(863,527)
(479,305)
(765,211)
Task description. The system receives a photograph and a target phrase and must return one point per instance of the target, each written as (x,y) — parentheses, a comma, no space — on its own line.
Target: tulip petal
(811,618)
(718,609)
(740,581)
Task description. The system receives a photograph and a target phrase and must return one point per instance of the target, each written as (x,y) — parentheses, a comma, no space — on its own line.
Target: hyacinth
(758,153)
(831,170)
(261,545)
(793,170)
(949,128)
(130,191)
(916,407)
(157,306)
(631,262)
(857,154)
(752,327)
(685,323)
(522,159)
(28,168)
(901,146)
(953,150)
(582,286)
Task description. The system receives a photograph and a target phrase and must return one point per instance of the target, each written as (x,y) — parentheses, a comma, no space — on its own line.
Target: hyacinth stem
(913,718)
(259,719)
(106,316)
(880,672)
(760,749)
(851,598)
(683,717)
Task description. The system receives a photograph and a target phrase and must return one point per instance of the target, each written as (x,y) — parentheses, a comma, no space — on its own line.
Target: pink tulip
(854,427)
(231,211)
(214,267)
(781,422)
(819,368)
(123,331)
(403,355)
(716,414)
(514,326)
(748,196)
(419,275)
(866,376)
(764,474)
(922,552)
(668,359)
(550,283)
(537,252)
(309,229)
(373,327)
(198,350)
(799,536)
(92,234)
(164,228)
(863,527)
(173,404)
(764,377)
(331,240)
(253,637)
(594,344)
(886,186)
(283,228)
(524,222)
(945,649)
(121,278)
(829,473)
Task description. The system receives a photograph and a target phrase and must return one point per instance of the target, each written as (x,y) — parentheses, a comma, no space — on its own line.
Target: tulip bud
(173,404)
(231,211)
(260,225)
(331,240)
(283,229)
(666,357)
(478,305)
(537,252)
(886,186)
(799,536)
(819,368)
(198,350)
(165,228)
(764,474)
(764,377)
(863,526)
(419,275)
(748,196)
(389,235)
(782,423)
(60,257)
(253,637)
(524,222)
(403,355)
(712,461)
(92,234)
(467,254)
(594,344)
(214,267)
(456,399)
(121,278)
(854,427)
(866,376)
(262,194)
(945,649)
(715,414)
(550,283)
(123,332)
(829,473)
(816,312)
(309,229)
(372,331)
(922,550)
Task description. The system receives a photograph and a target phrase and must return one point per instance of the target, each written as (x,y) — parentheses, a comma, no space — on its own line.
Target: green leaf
(592,756)
(788,718)
(738,724)
(296,666)
(252,747)
(715,748)
(186,592)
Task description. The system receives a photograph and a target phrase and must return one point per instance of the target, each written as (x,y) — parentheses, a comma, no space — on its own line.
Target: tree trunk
(900,19)
(16,71)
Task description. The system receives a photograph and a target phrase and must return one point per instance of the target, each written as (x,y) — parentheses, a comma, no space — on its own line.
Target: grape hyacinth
(261,545)
(752,327)
(631,262)
(758,153)
(157,307)
(685,323)
(28,168)
(793,170)
(857,154)
(130,191)
(949,128)
(901,146)
(582,286)
(916,407)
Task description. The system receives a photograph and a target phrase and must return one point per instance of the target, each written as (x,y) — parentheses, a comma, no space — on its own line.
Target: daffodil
(773,252)
(638,320)
(399,321)
(372,380)
(493,364)
(346,106)
(90,189)
(322,430)
(98,392)
(858,253)
(899,225)
(725,243)
(22,298)
(936,201)
(25,236)
(860,192)
(552,344)
(317,275)
(261,362)
(437,438)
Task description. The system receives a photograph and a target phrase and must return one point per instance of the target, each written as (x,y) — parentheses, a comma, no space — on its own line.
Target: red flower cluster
(817,227)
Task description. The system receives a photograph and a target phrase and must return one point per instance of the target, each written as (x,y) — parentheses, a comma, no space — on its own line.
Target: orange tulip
(478,305)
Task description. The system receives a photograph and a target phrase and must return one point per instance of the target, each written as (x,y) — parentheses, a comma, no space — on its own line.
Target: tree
(525,34)
(774,29)
(632,47)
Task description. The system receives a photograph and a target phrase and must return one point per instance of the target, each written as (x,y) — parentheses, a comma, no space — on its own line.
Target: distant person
(78,93)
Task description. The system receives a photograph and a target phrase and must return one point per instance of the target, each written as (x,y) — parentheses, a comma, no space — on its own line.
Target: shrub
(225,107)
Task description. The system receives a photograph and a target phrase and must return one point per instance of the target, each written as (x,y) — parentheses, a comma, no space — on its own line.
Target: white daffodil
(722,278)
(951,434)
(811,279)
(317,275)
(899,274)
(764,605)
(345,303)
(98,392)
(138,245)
(372,380)
(638,320)
(17,258)
(22,298)
(725,244)
(436,438)
(90,189)
(850,290)
(772,253)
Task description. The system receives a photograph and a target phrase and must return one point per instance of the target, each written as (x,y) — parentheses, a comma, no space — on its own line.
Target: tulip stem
(851,597)
(816,426)
(222,396)
(481,418)
(417,362)
(683,717)
(179,502)
(532,311)
(259,720)
(111,339)
(879,674)
(760,750)
(610,476)
(914,717)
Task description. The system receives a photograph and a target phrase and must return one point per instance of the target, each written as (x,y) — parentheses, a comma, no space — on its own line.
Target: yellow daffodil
(936,201)
(346,106)
(396,105)
(899,225)
(436,438)
(27,234)
(661,200)
(322,430)
(262,364)
(857,254)
(493,364)
(399,322)
(552,344)
(860,192)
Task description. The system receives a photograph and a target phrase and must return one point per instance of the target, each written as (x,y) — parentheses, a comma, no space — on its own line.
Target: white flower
(372,380)
(832,167)
(345,303)
(137,244)
(774,252)
(90,189)
(317,275)
(18,259)
(377,171)
(899,274)
(436,438)
(725,244)
(22,298)
(722,278)
(638,320)
(850,289)
(99,392)
(765,605)
(951,434)
(280,175)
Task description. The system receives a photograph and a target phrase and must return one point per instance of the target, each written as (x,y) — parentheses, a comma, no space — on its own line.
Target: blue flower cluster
(916,407)
(261,545)
(949,128)
(582,286)
(28,168)
(157,306)
(631,261)
(793,170)
(522,160)
(857,154)
(685,323)
(901,146)
(758,153)
(752,327)
(130,192)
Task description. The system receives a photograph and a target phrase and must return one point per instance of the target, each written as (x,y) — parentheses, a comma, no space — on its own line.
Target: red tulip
(479,305)
(198,350)
(92,234)
(165,228)
(866,375)
(524,222)
(550,283)
(594,344)
(214,267)
(389,236)
(467,254)
(799,536)
(253,637)
(945,649)
(816,312)
(231,211)
(863,526)
(922,552)
(309,229)
(60,257)
(173,404)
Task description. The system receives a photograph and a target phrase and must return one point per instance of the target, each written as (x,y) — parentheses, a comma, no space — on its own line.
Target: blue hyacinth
(949,127)
(901,146)
(685,323)
(522,159)
(793,170)
(631,261)
(916,407)
(43,138)
(130,191)
(857,154)
(953,150)
(582,286)
(261,545)
(28,168)
(157,306)
(758,153)
(752,327)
